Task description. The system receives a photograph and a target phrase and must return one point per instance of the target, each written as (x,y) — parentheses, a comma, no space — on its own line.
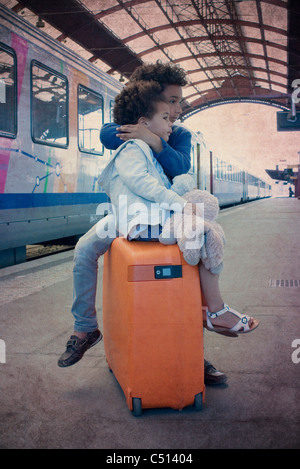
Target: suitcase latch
(167,271)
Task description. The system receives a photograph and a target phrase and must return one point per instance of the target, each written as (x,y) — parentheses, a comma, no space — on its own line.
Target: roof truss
(230,49)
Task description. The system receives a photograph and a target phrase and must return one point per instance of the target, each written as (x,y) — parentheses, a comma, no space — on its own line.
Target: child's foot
(229,322)
(77,346)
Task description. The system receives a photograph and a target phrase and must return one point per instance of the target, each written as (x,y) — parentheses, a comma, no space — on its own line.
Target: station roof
(231,50)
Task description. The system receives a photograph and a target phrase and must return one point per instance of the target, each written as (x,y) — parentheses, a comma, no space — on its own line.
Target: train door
(245,185)
(203,169)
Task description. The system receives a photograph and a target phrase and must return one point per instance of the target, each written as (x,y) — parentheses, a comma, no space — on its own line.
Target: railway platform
(44,406)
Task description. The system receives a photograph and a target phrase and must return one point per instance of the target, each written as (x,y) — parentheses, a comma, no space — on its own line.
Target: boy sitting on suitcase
(135,181)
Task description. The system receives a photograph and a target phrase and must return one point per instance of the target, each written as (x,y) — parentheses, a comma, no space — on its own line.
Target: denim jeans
(85,274)
(85,271)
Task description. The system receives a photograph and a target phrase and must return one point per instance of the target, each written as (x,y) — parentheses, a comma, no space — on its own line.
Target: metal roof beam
(131,12)
(78,23)
(264,100)
(178,24)
(243,67)
(240,86)
(119,7)
(212,36)
(242,46)
(262,32)
(217,37)
(239,54)
(158,2)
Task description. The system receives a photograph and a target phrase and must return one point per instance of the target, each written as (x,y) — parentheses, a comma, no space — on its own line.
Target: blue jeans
(85,272)
(85,275)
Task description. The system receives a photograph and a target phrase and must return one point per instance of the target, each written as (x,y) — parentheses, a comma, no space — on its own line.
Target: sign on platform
(285,124)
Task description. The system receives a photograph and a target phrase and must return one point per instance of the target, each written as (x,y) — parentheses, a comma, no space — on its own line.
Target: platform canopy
(231,50)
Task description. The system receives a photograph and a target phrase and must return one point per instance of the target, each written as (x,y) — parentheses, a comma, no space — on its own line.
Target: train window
(216,169)
(49,104)
(8,92)
(222,170)
(219,169)
(90,120)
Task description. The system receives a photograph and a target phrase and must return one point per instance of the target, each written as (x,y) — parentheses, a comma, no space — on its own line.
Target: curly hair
(137,99)
(164,74)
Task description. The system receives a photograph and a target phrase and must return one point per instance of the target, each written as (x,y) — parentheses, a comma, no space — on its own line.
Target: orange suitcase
(152,324)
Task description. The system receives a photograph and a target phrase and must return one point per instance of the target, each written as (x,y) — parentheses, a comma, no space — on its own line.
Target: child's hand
(132,131)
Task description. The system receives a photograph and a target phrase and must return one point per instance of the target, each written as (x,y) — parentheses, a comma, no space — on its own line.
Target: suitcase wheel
(137,406)
(198,402)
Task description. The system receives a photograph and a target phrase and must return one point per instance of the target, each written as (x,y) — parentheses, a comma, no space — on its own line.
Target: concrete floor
(44,406)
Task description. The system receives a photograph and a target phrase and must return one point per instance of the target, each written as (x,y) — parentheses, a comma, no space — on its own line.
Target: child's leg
(211,291)
(87,252)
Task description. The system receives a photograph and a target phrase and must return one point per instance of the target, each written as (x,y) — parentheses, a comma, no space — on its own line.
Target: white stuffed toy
(198,235)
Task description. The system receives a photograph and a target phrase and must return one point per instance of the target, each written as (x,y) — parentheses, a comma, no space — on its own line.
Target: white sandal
(241,327)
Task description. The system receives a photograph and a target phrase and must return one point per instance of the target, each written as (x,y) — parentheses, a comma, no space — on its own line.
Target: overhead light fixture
(40,23)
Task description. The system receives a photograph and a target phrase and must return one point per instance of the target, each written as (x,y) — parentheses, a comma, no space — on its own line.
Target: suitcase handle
(142,273)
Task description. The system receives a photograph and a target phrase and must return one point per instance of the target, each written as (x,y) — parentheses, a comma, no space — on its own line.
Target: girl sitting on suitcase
(142,198)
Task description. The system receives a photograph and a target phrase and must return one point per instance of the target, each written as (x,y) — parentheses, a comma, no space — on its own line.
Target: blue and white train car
(228,182)
(52,106)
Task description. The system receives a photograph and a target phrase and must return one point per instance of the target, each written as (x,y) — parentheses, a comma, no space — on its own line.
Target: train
(228,181)
(52,106)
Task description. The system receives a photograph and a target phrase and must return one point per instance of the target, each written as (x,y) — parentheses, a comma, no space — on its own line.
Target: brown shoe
(213,376)
(77,347)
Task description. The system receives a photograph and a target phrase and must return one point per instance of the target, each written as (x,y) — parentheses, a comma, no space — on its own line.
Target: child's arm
(131,164)
(108,136)
(175,156)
